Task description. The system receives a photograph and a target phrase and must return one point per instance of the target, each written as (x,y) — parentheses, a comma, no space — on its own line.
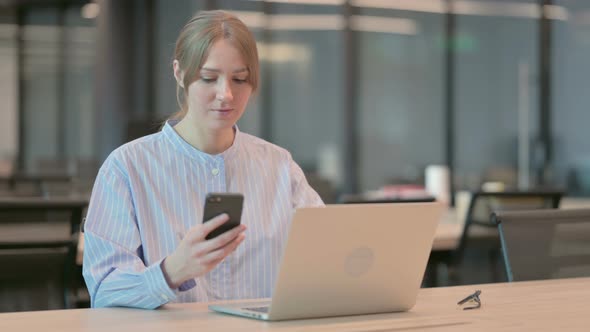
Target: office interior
(367,95)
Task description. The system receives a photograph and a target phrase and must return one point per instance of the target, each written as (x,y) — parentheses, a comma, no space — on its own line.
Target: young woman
(144,236)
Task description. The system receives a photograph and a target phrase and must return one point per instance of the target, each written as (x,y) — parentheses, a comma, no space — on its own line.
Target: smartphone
(219,203)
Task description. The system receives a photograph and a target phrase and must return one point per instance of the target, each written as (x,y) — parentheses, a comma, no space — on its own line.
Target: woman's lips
(223,111)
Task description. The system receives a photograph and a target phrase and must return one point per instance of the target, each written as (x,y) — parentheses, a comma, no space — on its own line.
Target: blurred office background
(366,94)
(362,92)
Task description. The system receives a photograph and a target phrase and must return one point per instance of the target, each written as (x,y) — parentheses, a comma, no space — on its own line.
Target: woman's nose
(224,92)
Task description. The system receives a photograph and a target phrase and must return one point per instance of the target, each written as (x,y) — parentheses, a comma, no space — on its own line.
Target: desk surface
(37,202)
(525,306)
(44,231)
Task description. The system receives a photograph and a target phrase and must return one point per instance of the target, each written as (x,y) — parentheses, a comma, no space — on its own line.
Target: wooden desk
(446,240)
(38,182)
(13,232)
(575,203)
(37,202)
(35,230)
(555,305)
(448,231)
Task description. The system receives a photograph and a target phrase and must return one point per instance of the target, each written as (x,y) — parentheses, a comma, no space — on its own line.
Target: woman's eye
(240,81)
(207,79)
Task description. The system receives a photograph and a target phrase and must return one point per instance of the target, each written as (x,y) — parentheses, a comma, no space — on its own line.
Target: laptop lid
(354,259)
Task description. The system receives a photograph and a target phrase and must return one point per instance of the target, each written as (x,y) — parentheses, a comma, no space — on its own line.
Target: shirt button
(215,171)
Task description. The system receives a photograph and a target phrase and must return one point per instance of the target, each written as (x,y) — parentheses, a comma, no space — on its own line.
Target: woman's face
(218,98)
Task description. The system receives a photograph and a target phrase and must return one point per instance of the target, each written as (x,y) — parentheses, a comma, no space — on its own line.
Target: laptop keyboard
(258,309)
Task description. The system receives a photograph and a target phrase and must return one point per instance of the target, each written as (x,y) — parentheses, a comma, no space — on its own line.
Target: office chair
(545,244)
(322,186)
(479,232)
(38,247)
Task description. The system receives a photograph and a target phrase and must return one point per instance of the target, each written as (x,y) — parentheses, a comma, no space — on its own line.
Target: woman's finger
(220,253)
(211,224)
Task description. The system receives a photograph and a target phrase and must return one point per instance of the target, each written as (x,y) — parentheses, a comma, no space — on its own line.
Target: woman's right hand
(196,256)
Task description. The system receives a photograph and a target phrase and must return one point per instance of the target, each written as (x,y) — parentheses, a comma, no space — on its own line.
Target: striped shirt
(151,191)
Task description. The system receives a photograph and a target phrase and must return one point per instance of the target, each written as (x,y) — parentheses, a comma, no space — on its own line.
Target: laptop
(349,259)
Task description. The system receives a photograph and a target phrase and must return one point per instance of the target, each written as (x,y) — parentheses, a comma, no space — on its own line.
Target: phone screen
(218,203)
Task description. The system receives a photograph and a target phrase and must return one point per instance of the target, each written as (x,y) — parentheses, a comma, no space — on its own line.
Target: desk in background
(451,225)
(21,184)
(13,231)
(553,305)
(37,247)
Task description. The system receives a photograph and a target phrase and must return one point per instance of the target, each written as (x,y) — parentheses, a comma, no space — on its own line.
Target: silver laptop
(349,260)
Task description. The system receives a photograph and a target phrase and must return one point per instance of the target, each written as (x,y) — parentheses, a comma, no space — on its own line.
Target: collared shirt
(150,192)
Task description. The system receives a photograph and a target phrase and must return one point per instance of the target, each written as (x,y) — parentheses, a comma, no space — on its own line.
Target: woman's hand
(196,256)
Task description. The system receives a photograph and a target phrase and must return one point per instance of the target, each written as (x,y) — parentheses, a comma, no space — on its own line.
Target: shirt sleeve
(303,194)
(113,268)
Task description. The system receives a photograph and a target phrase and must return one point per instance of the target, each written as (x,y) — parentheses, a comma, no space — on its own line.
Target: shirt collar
(190,151)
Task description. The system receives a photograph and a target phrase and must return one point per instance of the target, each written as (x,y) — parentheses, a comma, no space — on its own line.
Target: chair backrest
(545,244)
(483,204)
(38,246)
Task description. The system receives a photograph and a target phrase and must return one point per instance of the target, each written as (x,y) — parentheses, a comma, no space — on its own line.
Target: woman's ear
(178,73)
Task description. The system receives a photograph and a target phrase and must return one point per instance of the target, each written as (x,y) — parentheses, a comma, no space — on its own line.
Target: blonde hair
(196,39)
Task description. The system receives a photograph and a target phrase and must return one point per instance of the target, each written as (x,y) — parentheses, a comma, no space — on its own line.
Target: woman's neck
(209,141)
